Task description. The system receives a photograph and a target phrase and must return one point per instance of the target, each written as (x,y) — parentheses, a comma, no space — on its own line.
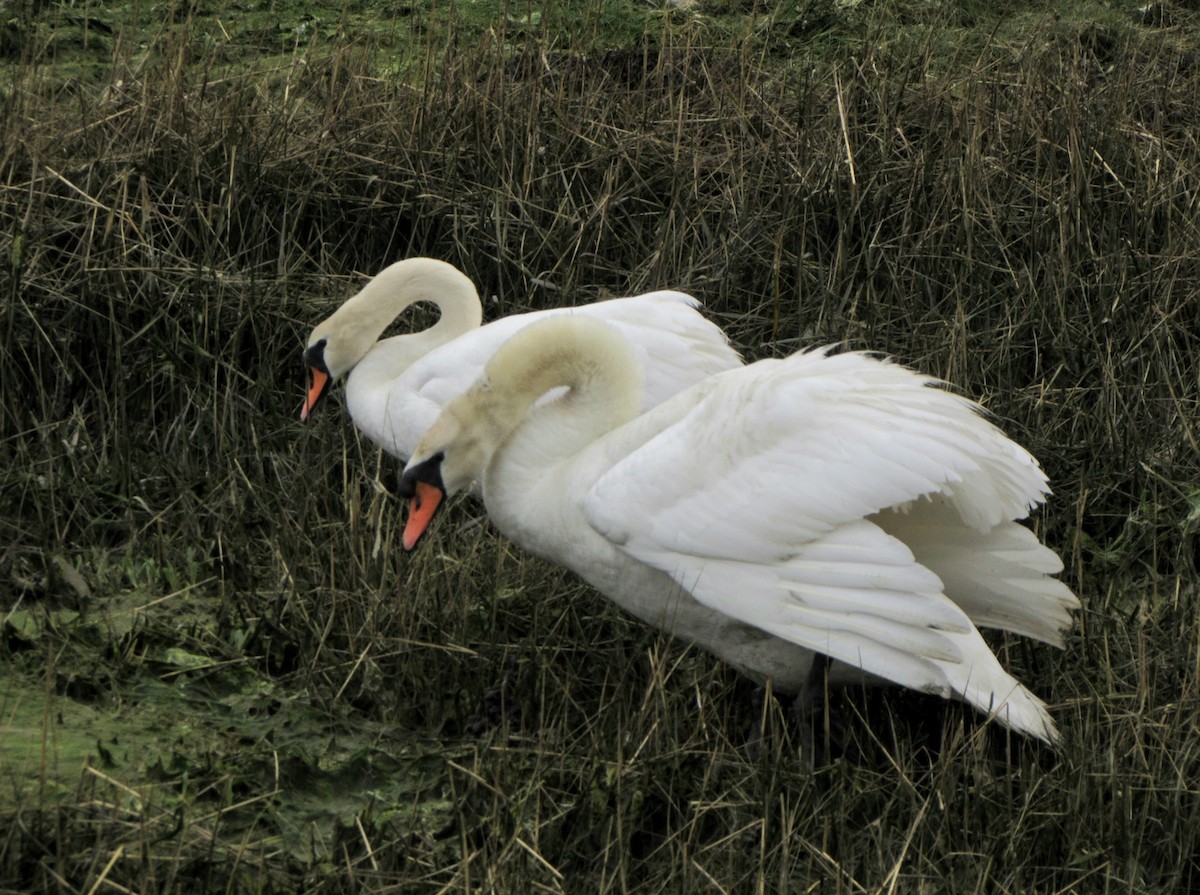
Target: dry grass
(183,558)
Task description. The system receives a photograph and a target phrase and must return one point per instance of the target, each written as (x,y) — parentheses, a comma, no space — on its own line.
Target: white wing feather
(1000,577)
(759,502)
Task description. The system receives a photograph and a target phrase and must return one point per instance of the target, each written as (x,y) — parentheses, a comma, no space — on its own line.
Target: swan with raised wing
(823,504)
(396,387)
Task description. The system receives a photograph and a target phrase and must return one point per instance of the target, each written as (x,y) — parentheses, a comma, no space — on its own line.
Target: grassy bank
(217,672)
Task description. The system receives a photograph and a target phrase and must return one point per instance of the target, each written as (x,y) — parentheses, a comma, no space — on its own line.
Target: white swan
(396,387)
(834,503)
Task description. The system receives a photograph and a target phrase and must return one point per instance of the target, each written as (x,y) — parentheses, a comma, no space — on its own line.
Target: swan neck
(416,280)
(362,319)
(600,373)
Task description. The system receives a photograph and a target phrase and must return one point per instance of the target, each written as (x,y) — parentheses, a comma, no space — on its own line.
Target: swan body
(396,387)
(824,503)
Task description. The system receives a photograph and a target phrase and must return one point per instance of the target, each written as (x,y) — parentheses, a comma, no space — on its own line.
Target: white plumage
(396,387)
(832,503)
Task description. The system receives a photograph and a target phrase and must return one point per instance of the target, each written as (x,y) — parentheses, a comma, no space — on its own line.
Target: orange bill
(420,511)
(320,379)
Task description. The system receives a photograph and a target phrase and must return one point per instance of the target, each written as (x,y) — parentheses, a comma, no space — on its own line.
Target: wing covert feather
(778,453)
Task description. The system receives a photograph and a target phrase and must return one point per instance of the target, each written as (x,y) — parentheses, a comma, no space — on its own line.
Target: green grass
(218,672)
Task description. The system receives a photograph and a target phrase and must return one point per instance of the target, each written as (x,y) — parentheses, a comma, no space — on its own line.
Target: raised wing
(759,502)
(780,452)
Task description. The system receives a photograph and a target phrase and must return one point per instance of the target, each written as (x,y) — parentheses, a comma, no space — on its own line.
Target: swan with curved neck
(822,504)
(348,340)
(396,387)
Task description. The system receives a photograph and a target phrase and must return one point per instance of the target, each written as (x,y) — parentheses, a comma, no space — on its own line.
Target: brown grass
(1018,218)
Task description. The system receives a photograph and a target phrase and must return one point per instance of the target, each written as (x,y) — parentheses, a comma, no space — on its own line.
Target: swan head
(331,353)
(344,338)
(449,458)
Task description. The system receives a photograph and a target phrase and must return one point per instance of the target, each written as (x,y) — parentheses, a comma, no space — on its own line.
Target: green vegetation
(217,671)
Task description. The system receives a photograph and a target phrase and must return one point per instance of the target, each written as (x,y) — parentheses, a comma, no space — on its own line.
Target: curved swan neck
(497,428)
(356,326)
(413,280)
(604,383)
(459,309)
(597,366)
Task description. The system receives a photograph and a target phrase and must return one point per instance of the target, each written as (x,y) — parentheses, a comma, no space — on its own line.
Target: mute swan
(397,386)
(828,503)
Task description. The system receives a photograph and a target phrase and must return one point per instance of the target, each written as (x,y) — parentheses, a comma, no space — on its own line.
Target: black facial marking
(427,471)
(314,356)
